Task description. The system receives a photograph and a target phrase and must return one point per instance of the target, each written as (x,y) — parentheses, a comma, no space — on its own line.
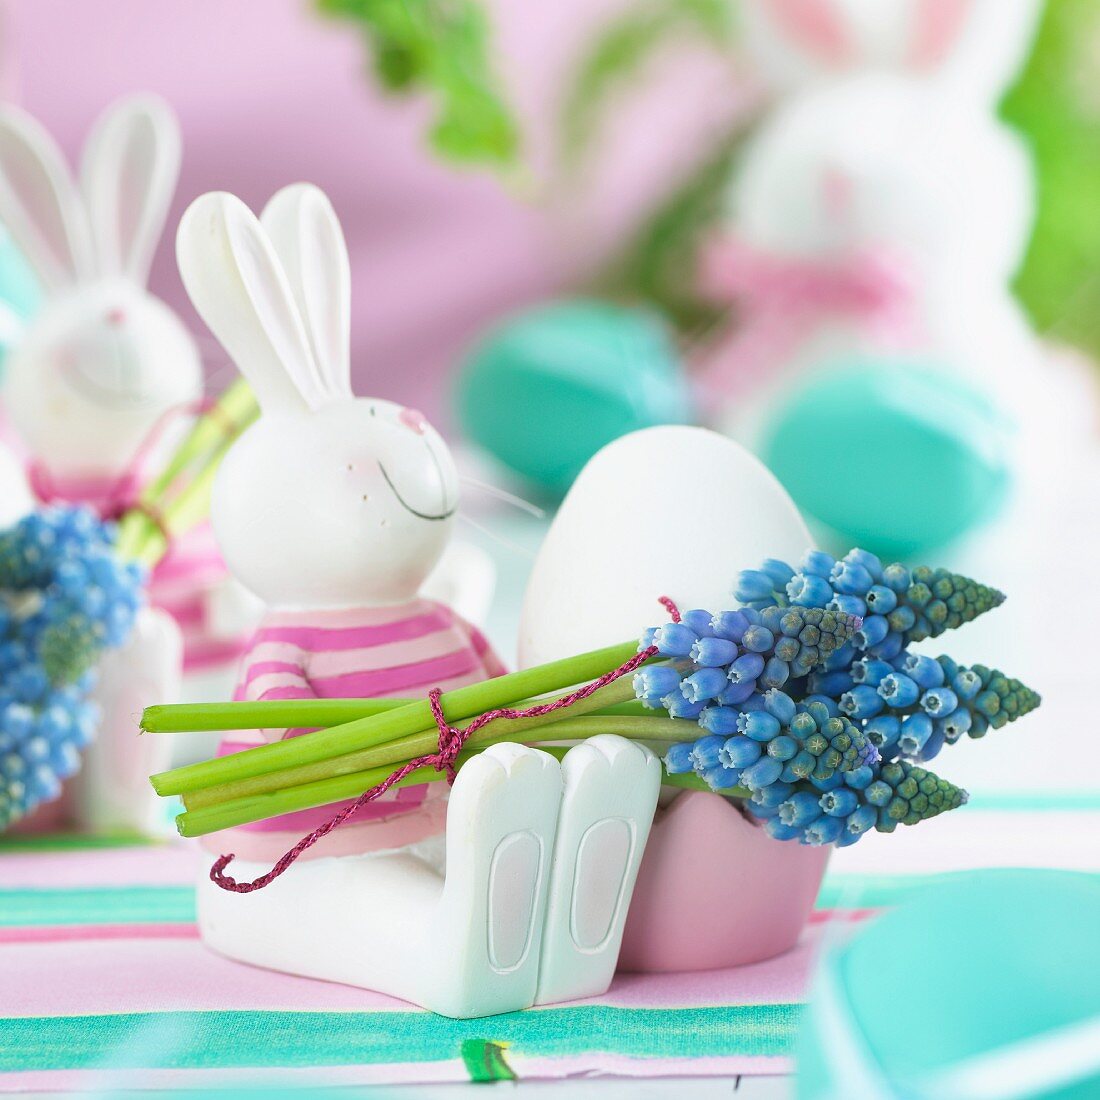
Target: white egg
(668,511)
(677,511)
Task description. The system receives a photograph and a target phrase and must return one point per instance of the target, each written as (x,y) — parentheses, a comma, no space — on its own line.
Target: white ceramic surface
(332,502)
(676,511)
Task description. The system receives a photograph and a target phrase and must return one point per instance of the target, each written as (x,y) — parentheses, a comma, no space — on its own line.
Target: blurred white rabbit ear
(236,282)
(128,175)
(977,45)
(796,42)
(307,236)
(40,204)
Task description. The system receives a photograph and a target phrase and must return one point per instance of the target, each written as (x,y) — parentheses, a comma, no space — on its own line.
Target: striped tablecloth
(104,984)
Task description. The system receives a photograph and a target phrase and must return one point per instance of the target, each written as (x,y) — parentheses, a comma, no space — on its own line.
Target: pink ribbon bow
(781,299)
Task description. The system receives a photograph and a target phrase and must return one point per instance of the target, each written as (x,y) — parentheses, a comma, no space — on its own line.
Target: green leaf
(619,54)
(1056,104)
(659,265)
(440,47)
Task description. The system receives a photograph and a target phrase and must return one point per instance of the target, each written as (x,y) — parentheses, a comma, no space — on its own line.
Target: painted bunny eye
(373,411)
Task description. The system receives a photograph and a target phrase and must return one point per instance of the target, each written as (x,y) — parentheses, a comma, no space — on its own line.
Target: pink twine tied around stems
(451,742)
(781,299)
(110,498)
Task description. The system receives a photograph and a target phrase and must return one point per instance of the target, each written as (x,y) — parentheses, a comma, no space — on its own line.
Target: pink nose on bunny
(115,317)
(414,419)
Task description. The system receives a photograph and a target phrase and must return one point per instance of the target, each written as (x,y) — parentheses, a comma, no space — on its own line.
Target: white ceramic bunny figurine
(333,509)
(882,207)
(100,380)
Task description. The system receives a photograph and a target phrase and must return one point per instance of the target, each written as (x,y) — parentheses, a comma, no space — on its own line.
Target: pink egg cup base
(716,891)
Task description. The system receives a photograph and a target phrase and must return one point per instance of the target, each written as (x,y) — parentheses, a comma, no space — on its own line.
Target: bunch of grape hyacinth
(64,598)
(828,744)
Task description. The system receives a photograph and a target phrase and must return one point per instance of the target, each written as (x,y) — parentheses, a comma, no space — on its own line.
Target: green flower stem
(140,538)
(378,729)
(394,753)
(296,714)
(186,511)
(323,792)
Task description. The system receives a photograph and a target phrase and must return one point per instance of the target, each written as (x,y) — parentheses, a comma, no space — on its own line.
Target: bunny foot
(500,835)
(611,789)
(462,945)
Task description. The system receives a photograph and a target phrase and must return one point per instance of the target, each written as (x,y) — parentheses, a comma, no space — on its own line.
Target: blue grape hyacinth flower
(65,597)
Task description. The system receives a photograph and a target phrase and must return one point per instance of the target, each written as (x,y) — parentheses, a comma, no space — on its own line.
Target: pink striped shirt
(403,650)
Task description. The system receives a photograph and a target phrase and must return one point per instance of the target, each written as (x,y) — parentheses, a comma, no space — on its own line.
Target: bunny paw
(611,788)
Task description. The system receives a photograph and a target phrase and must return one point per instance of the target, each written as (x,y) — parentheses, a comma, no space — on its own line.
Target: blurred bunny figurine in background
(90,386)
(333,510)
(881,207)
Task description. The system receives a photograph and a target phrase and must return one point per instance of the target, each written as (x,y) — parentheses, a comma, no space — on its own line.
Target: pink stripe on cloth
(163,975)
(188,612)
(324,664)
(84,932)
(347,617)
(257,669)
(159,975)
(204,653)
(403,678)
(291,691)
(170,864)
(356,636)
(304,1081)
(268,684)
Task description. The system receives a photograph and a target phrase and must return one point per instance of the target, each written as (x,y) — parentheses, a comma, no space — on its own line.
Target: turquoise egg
(986,973)
(896,457)
(546,389)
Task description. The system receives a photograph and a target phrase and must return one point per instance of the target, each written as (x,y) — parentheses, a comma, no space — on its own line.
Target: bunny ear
(937,25)
(39,202)
(237,284)
(128,176)
(814,26)
(306,234)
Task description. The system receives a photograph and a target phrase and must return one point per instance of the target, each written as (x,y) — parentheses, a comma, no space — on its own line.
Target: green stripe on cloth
(847,891)
(98,905)
(23,908)
(219,1040)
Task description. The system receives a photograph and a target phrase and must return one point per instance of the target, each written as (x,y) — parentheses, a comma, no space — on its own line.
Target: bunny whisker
(503,495)
(488,532)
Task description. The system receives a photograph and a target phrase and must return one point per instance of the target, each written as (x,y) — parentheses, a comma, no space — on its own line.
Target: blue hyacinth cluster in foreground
(827,746)
(64,598)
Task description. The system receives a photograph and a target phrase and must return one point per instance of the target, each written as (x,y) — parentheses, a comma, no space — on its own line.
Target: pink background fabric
(268,93)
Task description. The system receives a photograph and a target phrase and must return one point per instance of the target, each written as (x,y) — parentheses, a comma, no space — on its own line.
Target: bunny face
(352,505)
(102,361)
(84,388)
(882,164)
(975,47)
(328,500)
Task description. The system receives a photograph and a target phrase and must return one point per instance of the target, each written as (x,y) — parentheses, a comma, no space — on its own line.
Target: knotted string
(451,742)
(123,494)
